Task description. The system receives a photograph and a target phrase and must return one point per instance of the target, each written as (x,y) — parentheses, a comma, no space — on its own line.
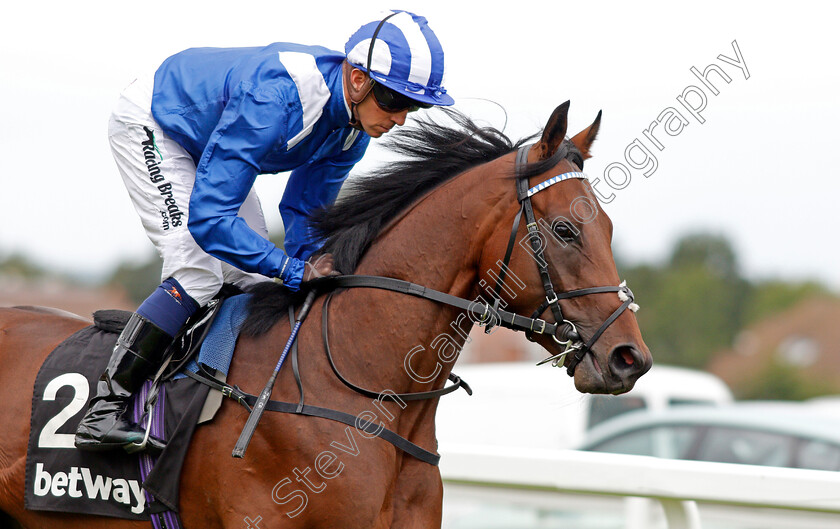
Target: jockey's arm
(248,130)
(310,187)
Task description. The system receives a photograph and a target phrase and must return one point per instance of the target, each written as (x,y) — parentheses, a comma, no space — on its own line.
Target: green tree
(770,297)
(20,266)
(711,252)
(693,305)
(137,279)
(777,381)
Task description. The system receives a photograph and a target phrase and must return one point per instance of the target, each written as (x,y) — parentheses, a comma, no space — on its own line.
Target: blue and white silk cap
(406,56)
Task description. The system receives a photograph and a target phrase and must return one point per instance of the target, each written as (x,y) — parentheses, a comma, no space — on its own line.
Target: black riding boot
(137,354)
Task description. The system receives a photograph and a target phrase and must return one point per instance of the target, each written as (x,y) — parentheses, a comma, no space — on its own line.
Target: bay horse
(441,219)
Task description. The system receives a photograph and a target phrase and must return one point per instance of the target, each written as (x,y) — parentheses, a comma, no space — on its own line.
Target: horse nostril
(624,359)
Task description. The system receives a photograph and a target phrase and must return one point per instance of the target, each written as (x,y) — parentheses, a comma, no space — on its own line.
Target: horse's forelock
(567,151)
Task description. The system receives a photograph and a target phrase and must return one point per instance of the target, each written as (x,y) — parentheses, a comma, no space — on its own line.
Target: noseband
(565,333)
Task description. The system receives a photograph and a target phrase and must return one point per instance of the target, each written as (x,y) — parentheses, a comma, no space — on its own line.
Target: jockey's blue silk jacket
(240,112)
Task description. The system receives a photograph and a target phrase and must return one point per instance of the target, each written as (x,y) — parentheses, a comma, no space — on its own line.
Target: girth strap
(352,420)
(248,400)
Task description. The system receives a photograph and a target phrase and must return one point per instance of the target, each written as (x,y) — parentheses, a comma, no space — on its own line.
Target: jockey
(189,145)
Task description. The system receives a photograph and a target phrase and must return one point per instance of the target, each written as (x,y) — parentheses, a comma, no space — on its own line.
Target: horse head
(569,236)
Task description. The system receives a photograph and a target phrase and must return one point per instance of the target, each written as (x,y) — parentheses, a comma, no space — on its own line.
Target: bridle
(564,332)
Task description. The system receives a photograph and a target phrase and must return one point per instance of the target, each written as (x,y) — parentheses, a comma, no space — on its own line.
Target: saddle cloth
(63,479)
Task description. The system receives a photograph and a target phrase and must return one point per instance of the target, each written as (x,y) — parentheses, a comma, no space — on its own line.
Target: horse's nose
(627,363)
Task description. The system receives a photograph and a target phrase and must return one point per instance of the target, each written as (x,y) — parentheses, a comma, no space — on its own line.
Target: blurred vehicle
(519,410)
(826,405)
(520,404)
(781,434)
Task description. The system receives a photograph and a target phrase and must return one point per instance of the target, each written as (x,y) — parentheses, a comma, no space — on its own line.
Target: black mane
(432,154)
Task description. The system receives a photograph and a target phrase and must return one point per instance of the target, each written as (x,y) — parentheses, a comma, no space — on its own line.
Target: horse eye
(565,232)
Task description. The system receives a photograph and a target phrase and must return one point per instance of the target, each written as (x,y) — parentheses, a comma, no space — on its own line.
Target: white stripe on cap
(421,56)
(312,90)
(553,180)
(381,60)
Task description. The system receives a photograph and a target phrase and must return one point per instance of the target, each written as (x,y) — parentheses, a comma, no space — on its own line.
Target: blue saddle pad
(217,350)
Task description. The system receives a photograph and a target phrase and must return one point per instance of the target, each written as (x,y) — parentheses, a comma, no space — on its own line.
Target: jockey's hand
(319,266)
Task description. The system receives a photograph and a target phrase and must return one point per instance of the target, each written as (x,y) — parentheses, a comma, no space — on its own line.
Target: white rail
(677,485)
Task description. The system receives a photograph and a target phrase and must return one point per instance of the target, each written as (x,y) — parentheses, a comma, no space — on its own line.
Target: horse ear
(585,138)
(554,132)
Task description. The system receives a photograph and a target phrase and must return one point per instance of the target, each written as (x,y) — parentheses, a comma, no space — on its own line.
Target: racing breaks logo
(171,214)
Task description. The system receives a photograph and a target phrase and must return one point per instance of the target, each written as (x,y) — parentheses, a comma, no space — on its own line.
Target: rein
(457,382)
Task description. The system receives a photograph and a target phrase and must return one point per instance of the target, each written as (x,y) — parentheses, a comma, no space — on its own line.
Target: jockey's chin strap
(353,96)
(347,68)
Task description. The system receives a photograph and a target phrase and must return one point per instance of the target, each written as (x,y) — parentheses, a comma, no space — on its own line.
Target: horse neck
(437,244)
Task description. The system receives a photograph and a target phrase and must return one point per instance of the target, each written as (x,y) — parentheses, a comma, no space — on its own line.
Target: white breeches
(159,175)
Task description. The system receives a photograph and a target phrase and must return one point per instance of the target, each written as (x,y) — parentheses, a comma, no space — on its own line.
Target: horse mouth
(615,374)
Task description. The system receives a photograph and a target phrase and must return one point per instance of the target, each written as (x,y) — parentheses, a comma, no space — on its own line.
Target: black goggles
(391,101)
